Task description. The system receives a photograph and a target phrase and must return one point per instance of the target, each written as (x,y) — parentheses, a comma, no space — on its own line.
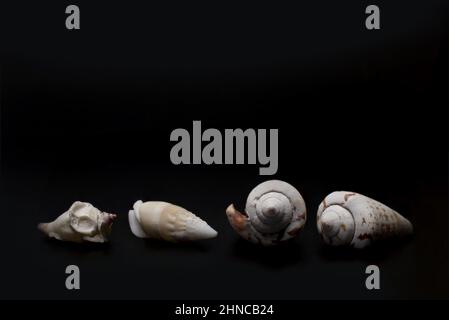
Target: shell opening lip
(233,208)
(134,224)
(136,207)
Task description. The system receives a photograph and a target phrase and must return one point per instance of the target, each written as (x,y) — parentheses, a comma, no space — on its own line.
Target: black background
(86,115)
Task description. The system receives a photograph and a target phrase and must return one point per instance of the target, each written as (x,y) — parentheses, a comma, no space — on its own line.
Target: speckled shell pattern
(371,220)
(261,226)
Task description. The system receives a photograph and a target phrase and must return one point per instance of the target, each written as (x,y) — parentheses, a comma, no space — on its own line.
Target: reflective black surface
(87,116)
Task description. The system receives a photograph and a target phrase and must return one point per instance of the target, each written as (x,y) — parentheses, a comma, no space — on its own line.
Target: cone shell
(349,218)
(166,221)
(275,212)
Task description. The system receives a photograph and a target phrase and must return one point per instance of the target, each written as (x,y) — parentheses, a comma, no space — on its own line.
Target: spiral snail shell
(349,218)
(82,222)
(166,221)
(275,212)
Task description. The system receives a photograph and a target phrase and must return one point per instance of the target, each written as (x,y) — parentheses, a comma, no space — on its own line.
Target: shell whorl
(275,211)
(337,225)
(270,213)
(349,218)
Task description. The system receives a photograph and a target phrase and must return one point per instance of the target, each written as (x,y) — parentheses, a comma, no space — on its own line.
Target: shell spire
(349,218)
(166,221)
(275,212)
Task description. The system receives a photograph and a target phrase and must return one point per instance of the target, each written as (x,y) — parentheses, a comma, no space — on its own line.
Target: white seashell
(349,218)
(82,222)
(275,212)
(165,221)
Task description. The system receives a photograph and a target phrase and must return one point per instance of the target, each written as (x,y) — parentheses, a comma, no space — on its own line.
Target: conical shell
(275,212)
(349,218)
(166,221)
(82,222)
